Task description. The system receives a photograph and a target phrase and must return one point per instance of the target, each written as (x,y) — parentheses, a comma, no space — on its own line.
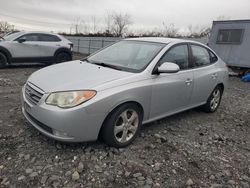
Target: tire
(214,100)
(118,134)
(3,60)
(62,57)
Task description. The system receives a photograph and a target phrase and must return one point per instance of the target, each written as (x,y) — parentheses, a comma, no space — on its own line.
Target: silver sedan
(111,93)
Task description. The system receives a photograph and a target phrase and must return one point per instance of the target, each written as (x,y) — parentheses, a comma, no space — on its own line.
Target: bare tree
(151,33)
(192,30)
(206,31)
(5,27)
(169,30)
(77,26)
(86,28)
(120,23)
(94,24)
(108,22)
(198,31)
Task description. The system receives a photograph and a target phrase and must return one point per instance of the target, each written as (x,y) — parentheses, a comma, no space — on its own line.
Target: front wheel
(122,125)
(214,100)
(3,60)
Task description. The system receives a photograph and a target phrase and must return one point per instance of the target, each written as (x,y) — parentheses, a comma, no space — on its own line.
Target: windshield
(11,36)
(133,56)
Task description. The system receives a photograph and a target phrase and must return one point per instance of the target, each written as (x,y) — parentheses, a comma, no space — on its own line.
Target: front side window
(201,56)
(131,56)
(178,55)
(230,36)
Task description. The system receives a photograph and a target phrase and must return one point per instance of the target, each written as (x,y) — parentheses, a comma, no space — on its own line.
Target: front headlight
(68,99)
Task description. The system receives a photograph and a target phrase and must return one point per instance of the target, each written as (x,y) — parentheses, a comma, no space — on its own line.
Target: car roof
(40,32)
(164,40)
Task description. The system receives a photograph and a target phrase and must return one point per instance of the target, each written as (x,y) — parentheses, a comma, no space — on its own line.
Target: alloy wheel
(215,100)
(126,125)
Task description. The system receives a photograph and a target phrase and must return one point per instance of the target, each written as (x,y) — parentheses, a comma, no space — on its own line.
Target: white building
(230,39)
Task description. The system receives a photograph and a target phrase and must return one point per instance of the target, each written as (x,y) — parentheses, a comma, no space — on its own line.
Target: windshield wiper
(106,65)
(2,38)
(85,59)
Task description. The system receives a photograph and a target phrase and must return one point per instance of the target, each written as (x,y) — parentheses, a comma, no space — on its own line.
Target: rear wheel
(214,100)
(63,57)
(122,125)
(3,60)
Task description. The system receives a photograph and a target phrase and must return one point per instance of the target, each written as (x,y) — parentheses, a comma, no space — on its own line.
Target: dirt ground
(190,149)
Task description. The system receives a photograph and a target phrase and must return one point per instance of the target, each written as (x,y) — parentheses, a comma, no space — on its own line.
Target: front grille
(32,94)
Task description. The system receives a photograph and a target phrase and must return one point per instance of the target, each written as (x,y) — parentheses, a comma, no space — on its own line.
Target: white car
(34,47)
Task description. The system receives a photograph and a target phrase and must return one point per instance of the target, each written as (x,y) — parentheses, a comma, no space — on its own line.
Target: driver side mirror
(21,40)
(168,67)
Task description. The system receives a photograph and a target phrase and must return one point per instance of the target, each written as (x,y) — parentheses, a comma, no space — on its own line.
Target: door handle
(188,81)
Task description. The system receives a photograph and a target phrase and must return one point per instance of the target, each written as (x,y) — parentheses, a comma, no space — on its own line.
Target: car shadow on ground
(26,65)
(98,144)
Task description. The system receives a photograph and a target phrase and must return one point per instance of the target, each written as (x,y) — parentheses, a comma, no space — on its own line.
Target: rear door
(171,92)
(205,73)
(48,44)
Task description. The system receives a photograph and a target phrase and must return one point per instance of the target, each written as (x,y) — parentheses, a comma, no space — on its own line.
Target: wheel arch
(117,106)
(63,50)
(221,85)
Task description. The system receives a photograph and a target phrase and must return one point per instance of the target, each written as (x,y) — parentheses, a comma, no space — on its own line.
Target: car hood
(74,75)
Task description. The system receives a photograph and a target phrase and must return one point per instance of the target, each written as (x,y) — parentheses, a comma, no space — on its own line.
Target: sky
(61,15)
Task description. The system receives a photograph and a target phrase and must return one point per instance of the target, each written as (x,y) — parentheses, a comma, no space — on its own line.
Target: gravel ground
(190,149)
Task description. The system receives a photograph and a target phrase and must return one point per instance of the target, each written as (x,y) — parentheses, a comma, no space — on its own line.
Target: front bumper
(67,125)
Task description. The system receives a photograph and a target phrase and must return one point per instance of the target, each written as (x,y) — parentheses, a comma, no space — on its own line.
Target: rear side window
(213,57)
(178,55)
(201,56)
(48,38)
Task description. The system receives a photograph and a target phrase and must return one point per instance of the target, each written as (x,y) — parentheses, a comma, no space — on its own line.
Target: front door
(171,92)
(27,49)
